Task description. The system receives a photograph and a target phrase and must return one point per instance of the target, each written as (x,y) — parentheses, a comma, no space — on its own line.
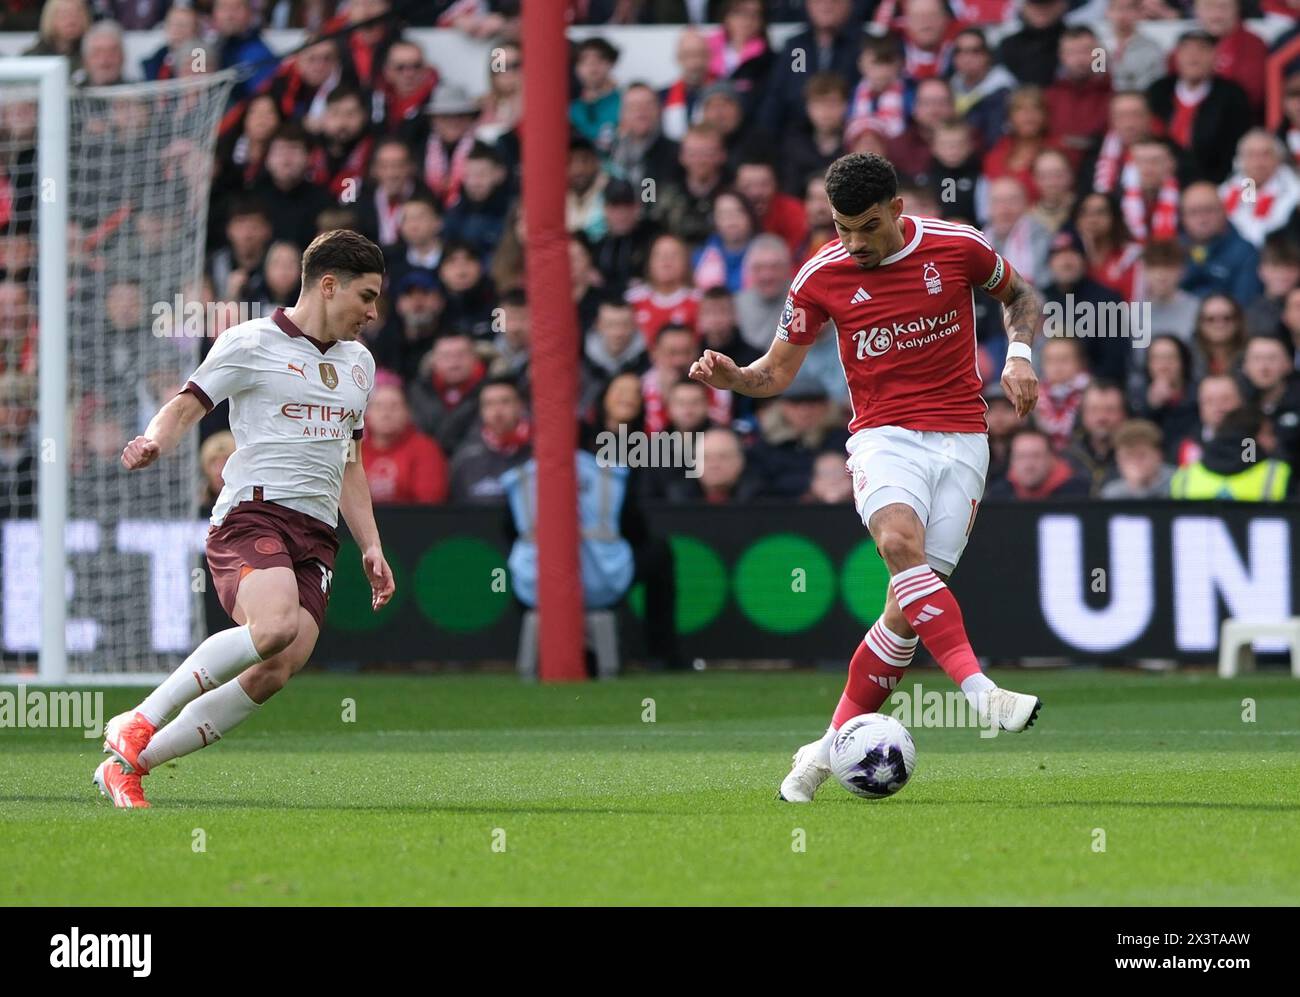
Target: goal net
(103,216)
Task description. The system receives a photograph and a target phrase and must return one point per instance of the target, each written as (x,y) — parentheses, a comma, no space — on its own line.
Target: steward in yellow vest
(1224,473)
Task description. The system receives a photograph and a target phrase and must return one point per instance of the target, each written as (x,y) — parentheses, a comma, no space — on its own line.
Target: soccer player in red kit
(901,291)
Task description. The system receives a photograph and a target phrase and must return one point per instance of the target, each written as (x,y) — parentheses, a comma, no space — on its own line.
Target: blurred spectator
(1100,413)
(587,284)
(17,452)
(594,112)
(282,275)
(236,269)
(467,289)
(619,405)
(1015,233)
(667,294)
(680,100)
(1085,307)
(342,155)
(504,102)
(478,216)
(444,399)
(213,454)
(403,465)
(821,225)
(812,149)
(584,209)
(1061,390)
(739,49)
(1203,113)
(1271,386)
(1054,180)
(418,305)
(1279,272)
(1150,205)
(911,150)
(1220,337)
(1113,170)
(724,477)
(419,246)
(451,118)
(980,87)
(508,270)
(778,213)
(1078,100)
(1028,134)
(1114,258)
(241,151)
(719,262)
(716,327)
(502,441)
(1003,423)
(613,346)
(293,201)
(1032,52)
(1289,128)
(671,356)
(1219,260)
(722,110)
(1173,310)
(18,331)
(1161,389)
(685,208)
(304,82)
(392,184)
(1216,396)
(830,44)
(621,254)
(1135,60)
(1262,194)
(1290,321)
(955,174)
(63,24)
(241,44)
(1239,55)
(928,30)
(759,305)
(1035,473)
(640,149)
(403,92)
(1230,467)
(362,51)
(1143,474)
(513,340)
(795,429)
(831,484)
(103,56)
(880,98)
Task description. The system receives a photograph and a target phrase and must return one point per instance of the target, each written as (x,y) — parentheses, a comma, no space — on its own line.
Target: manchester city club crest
(329,376)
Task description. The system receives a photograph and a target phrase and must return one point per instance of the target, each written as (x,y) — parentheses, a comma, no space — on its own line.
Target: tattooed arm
(1022,311)
(769,375)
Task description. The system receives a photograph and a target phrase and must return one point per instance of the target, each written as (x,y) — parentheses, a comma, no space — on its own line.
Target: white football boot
(1012,711)
(812,767)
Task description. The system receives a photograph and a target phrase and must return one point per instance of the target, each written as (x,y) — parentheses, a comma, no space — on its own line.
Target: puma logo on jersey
(861,296)
(300,370)
(928,613)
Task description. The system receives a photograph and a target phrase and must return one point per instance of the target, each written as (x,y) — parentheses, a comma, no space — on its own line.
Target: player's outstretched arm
(164,431)
(1022,312)
(359,514)
(769,375)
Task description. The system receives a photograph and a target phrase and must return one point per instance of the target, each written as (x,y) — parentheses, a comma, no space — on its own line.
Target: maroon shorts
(257,535)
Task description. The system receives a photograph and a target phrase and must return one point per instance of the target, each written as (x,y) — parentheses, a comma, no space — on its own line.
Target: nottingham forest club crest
(329,376)
(931,277)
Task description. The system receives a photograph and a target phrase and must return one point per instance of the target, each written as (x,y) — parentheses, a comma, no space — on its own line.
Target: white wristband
(1020,350)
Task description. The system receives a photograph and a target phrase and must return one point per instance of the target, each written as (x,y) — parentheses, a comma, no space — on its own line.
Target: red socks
(875,669)
(934,614)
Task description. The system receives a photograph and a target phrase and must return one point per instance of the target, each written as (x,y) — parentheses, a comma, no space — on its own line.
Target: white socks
(221,656)
(202,722)
(974,686)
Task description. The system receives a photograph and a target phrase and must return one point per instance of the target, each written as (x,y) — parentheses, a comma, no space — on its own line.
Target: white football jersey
(295,407)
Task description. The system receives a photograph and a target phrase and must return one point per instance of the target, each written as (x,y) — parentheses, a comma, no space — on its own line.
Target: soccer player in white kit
(900,290)
(298,384)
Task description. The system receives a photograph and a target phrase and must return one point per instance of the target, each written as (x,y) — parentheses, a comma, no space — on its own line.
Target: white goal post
(103,217)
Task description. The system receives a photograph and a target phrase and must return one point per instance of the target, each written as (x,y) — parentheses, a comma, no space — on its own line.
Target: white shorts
(940,475)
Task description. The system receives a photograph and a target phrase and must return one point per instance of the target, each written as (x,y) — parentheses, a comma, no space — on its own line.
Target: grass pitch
(467,790)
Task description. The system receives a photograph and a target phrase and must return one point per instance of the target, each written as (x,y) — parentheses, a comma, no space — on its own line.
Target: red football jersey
(906,327)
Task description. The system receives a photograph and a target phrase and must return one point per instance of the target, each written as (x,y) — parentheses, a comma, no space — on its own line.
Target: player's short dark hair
(344,253)
(857,181)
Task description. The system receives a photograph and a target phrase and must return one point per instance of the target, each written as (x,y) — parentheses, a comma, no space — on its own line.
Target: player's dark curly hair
(857,181)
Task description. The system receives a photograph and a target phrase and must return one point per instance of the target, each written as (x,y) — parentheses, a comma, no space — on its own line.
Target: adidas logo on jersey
(861,296)
(928,613)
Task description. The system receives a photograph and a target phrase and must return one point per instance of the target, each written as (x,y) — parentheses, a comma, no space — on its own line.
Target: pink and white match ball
(873,756)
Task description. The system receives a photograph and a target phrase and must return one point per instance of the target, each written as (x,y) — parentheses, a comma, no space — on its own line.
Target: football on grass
(873,756)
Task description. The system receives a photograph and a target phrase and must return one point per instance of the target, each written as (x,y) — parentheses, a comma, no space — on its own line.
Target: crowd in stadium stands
(1149,192)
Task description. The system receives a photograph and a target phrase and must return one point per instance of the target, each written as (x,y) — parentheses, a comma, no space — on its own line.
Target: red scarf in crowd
(881,111)
(1186,102)
(1263,201)
(1164,216)
(454,394)
(443,175)
(508,443)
